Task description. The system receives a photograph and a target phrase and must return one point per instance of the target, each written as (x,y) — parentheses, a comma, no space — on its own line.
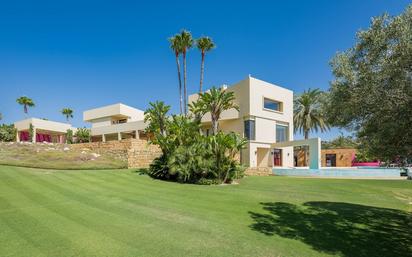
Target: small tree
(69,136)
(215,101)
(31,132)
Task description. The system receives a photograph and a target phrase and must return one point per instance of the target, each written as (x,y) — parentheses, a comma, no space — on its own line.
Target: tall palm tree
(308,114)
(215,102)
(204,44)
(176,46)
(186,44)
(26,102)
(68,113)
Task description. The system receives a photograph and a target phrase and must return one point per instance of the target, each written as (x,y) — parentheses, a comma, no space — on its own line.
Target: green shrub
(7,133)
(83,135)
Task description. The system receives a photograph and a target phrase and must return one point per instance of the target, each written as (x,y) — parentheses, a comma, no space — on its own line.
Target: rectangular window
(250,129)
(281,133)
(272,105)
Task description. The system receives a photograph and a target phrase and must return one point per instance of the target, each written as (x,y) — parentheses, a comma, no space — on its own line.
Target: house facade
(43,130)
(115,122)
(265,117)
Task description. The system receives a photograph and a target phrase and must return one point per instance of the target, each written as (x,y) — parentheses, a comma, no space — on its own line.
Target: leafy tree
(31,133)
(83,135)
(372,90)
(68,113)
(26,102)
(340,142)
(176,46)
(204,44)
(186,44)
(7,133)
(215,101)
(308,112)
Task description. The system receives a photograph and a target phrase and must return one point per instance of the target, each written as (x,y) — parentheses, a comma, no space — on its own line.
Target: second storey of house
(265,112)
(117,121)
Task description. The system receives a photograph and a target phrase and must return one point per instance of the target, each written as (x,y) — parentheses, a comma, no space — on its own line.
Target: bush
(83,135)
(7,133)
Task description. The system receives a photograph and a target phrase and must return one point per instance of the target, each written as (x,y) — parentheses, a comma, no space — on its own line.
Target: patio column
(103,138)
(137,134)
(315,155)
(119,136)
(18,136)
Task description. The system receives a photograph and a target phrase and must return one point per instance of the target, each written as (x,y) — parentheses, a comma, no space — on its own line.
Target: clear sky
(85,54)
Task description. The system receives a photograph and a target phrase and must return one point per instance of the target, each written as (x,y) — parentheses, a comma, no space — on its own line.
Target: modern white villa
(115,122)
(265,119)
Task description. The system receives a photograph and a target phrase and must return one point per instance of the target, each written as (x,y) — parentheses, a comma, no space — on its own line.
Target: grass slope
(121,213)
(56,156)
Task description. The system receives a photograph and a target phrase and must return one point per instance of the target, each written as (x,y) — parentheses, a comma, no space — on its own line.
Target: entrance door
(277,157)
(330,160)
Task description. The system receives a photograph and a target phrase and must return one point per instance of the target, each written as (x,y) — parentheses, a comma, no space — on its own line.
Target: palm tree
(26,102)
(204,44)
(215,102)
(156,117)
(308,114)
(176,46)
(68,113)
(186,44)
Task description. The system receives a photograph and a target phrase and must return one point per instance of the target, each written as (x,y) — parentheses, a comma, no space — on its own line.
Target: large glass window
(272,105)
(281,133)
(250,129)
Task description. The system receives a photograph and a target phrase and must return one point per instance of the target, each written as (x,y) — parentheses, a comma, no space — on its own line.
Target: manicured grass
(122,213)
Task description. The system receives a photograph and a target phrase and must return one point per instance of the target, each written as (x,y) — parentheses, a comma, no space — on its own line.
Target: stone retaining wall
(138,153)
(258,171)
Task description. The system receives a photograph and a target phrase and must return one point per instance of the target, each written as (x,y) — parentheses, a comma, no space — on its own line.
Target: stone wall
(141,154)
(258,171)
(138,153)
(344,157)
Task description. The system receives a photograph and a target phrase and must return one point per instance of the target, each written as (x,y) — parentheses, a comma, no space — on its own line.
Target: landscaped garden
(124,213)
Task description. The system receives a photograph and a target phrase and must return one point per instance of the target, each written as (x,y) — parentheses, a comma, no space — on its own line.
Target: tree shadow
(339,228)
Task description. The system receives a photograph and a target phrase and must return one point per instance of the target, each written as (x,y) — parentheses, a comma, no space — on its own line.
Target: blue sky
(85,54)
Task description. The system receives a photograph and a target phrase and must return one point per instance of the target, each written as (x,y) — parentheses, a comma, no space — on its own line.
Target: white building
(265,118)
(43,130)
(115,122)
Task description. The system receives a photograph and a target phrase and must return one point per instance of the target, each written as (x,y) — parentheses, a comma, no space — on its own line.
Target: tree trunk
(180,83)
(202,70)
(306,148)
(184,82)
(25,109)
(214,125)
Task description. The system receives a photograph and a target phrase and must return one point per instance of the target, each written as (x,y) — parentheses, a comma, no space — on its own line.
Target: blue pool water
(340,172)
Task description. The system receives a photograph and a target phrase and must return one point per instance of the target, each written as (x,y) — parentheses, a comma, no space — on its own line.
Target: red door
(277,157)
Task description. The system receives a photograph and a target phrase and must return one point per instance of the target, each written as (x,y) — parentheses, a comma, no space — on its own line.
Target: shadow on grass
(339,228)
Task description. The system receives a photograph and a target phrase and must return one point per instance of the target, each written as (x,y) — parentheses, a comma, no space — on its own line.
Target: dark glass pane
(250,129)
(281,133)
(272,105)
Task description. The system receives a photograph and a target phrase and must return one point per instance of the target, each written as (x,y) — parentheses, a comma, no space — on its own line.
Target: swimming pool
(366,172)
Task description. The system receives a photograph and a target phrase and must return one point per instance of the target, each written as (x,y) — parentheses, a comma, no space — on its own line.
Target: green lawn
(122,213)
